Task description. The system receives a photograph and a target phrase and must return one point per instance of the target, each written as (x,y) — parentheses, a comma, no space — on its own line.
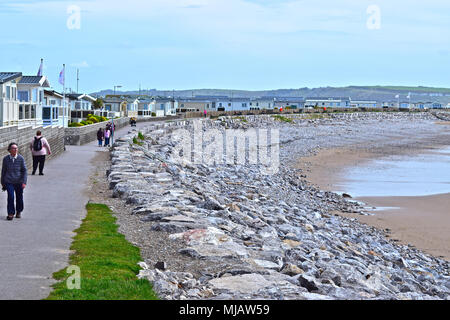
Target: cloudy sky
(229,44)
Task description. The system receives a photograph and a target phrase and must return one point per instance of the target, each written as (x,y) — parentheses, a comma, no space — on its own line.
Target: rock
(346,195)
(309,227)
(291,270)
(292,243)
(161,265)
(212,204)
(246,283)
(308,283)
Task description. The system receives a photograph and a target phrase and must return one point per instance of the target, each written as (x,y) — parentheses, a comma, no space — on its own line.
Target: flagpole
(64,95)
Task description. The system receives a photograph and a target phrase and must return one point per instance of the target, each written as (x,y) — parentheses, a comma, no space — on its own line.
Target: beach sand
(422,221)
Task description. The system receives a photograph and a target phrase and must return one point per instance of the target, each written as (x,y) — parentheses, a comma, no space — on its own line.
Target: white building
(9,105)
(79,101)
(164,107)
(132,107)
(53,110)
(263,103)
(289,102)
(145,108)
(363,104)
(232,104)
(31,99)
(339,102)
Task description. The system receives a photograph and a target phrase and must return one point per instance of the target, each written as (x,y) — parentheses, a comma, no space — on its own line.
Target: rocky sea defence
(267,235)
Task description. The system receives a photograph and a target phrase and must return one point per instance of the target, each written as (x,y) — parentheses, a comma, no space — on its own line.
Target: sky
(228,44)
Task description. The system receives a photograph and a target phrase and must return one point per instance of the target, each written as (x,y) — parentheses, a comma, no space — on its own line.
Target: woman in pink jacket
(39,149)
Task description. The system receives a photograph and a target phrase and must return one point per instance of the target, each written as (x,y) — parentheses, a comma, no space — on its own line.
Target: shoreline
(422,222)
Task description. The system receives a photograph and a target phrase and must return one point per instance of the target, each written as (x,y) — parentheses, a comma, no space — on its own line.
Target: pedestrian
(100,136)
(39,149)
(14,180)
(107,136)
(204,112)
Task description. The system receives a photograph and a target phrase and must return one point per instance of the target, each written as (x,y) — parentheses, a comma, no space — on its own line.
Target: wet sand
(421,221)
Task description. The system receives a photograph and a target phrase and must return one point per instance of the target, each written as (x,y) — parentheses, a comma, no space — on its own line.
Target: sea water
(416,175)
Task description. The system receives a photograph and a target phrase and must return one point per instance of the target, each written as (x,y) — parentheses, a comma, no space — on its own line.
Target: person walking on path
(100,136)
(14,180)
(39,149)
(107,136)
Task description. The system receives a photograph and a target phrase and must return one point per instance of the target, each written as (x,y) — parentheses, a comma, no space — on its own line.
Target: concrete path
(36,246)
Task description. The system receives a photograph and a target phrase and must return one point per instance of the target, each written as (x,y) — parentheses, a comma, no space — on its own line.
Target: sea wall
(248,235)
(23,137)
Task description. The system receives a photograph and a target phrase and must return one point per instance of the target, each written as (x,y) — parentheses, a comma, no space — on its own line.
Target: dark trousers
(18,190)
(106,142)
(38,160)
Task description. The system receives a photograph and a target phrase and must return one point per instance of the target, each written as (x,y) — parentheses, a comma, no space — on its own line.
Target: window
(21,112)
(23,95)
(46,113)
(27,112)
(8,93)
(55,113)
(34,95)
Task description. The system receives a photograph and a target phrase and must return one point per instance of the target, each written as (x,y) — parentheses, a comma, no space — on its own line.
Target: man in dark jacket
(14,180)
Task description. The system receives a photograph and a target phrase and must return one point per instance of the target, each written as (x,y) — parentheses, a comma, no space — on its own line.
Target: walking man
(14,180)
(39,149)
(100,136)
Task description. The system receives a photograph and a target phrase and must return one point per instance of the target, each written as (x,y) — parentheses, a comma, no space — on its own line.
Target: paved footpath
(37,245)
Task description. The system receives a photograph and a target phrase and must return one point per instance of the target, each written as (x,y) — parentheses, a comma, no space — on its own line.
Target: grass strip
(107,261)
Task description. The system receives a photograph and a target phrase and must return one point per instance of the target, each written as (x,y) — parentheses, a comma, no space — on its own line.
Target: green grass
(141,136)
(138,142)
(107,261)
(282,118)
(242,119)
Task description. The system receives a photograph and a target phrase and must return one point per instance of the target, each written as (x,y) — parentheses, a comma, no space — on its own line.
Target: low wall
(85,134)
(23,137)
(215,114)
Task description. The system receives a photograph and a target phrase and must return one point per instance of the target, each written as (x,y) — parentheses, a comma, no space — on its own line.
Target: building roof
(8,76)
(53,93)
(79,96)
(113,100)
(327,98)
(38,80)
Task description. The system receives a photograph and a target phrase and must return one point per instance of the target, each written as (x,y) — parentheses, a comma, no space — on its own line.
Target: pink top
(107,133)
(45,147)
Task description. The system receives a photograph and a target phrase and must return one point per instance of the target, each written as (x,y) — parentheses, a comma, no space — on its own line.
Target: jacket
(14,171)
(45,147)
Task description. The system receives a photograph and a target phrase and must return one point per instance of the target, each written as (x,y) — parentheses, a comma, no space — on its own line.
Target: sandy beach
(420,221)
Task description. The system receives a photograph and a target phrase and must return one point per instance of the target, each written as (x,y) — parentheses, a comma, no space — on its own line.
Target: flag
(41,68)
(61,77)
(409,95)
(397,96)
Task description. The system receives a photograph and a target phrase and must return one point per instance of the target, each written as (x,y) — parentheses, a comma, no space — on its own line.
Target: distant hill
(380,93)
